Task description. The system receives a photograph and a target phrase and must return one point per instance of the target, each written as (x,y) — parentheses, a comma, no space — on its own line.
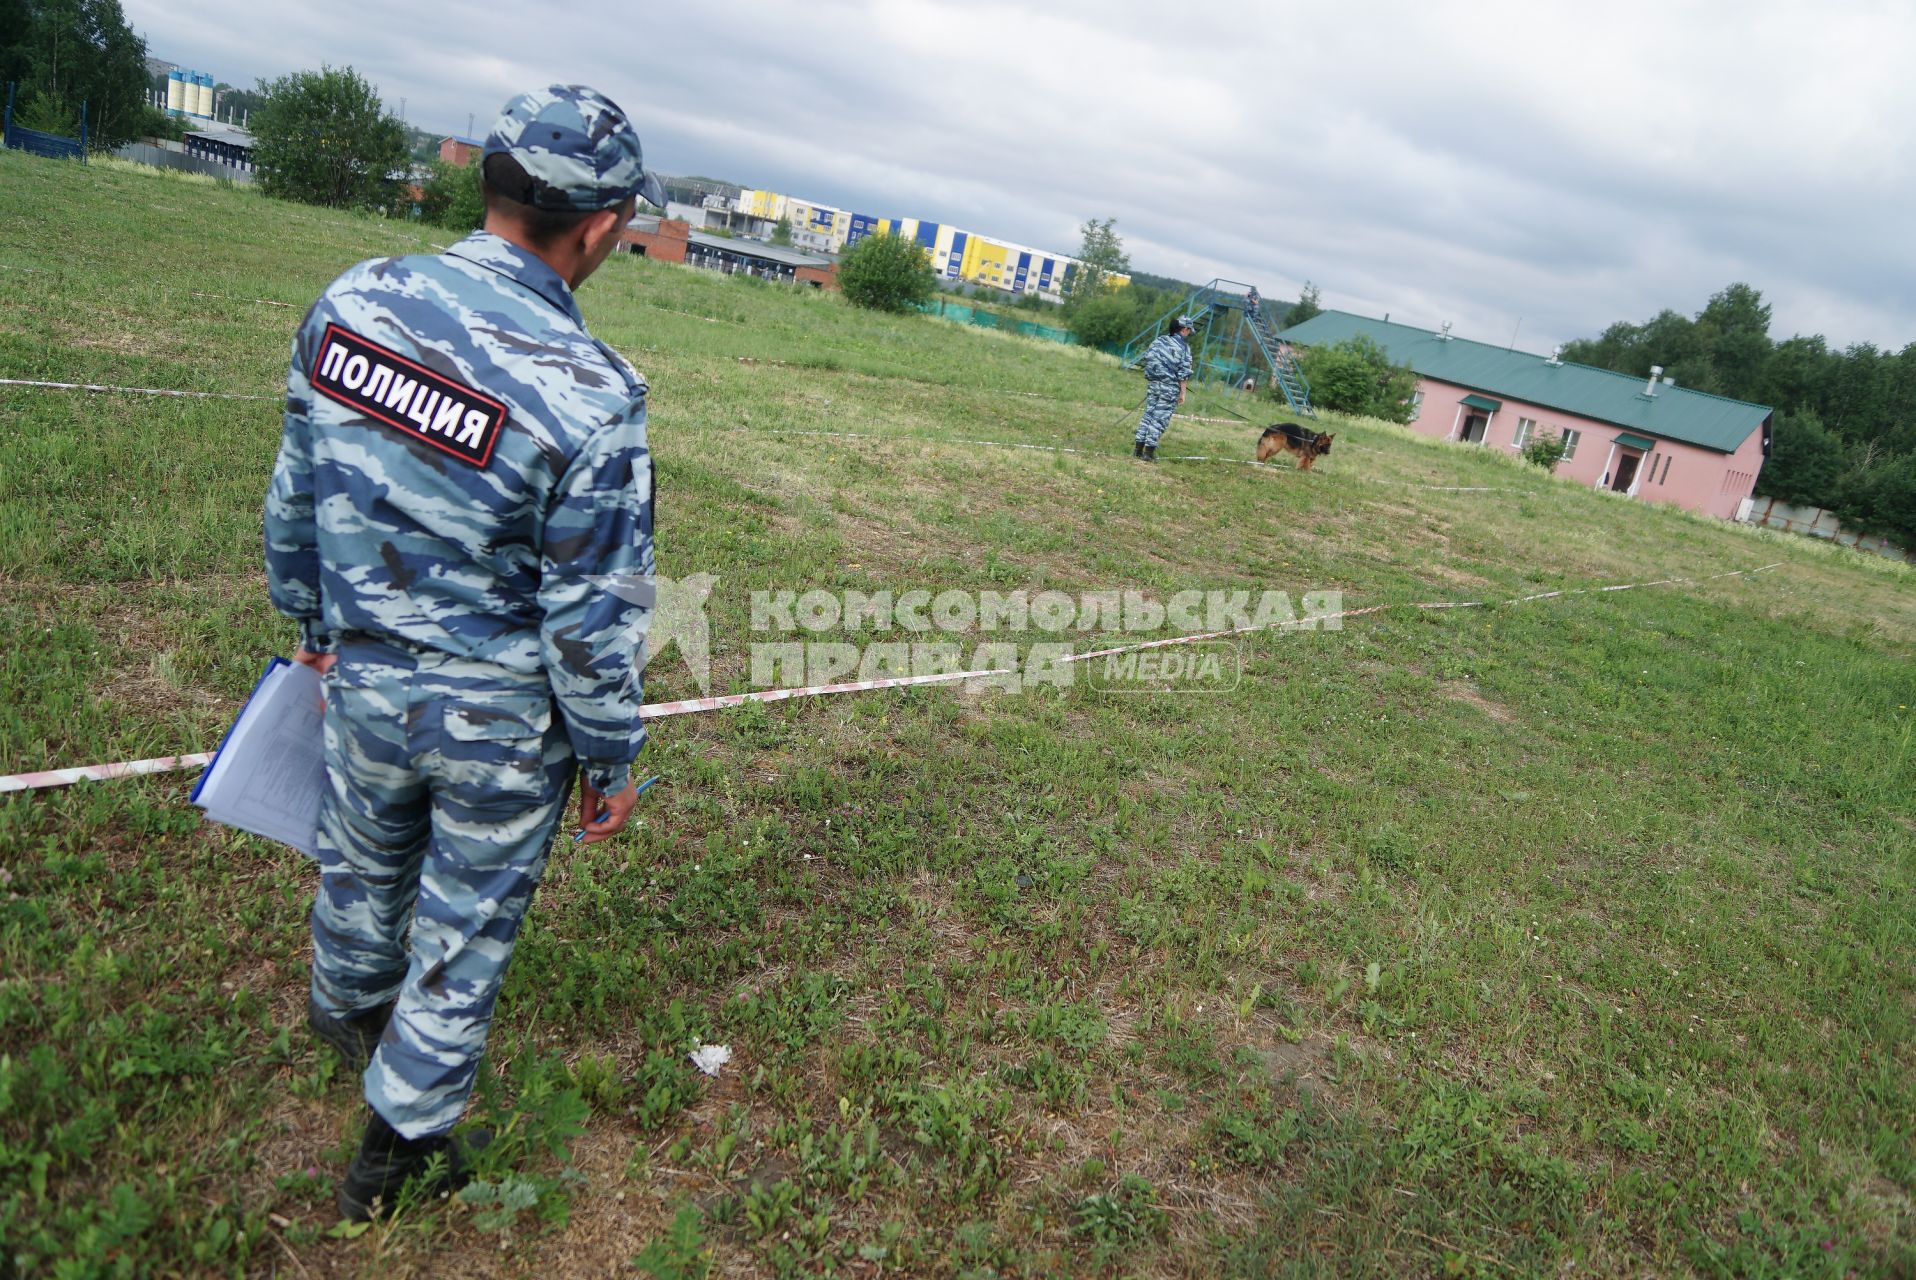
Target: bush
(451,197)
(1545,451)
(1805,466)
(1881,500)
(887,273)
(1106,319)
(1355,376)
(325,139)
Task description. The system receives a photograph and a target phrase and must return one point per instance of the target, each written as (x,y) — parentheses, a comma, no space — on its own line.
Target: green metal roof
(1674,413)
(1482,402)
(1635,442)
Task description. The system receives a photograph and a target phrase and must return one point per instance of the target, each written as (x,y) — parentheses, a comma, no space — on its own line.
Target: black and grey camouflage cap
(578,149)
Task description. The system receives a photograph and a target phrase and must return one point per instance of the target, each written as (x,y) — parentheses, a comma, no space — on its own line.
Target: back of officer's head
(559,155)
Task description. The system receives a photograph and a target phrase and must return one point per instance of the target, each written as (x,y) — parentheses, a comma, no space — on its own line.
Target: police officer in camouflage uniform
(1167,367)
(462,474)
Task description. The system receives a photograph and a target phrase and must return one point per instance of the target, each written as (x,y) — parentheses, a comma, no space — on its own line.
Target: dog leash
(1233,412)
(1136,408)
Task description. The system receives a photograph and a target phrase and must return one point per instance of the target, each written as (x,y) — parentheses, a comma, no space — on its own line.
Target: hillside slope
(1467,941)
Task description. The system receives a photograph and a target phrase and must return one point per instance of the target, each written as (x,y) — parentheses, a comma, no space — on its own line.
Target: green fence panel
(1031,330)
(983,319)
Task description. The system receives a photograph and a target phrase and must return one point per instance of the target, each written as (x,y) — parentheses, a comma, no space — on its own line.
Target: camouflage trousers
(446,778)
(1160,400)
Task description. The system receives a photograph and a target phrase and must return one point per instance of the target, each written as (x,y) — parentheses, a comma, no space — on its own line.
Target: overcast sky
(1536,169)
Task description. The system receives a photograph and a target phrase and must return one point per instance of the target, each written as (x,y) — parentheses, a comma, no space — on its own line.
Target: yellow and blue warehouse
(956,254)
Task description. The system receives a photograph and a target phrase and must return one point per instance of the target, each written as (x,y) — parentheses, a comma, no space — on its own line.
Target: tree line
(1844,435)
(64,53)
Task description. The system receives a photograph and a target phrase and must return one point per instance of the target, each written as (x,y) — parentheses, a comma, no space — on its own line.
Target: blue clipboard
(207,771)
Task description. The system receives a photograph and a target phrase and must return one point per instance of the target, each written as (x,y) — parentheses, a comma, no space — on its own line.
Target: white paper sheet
(271,770)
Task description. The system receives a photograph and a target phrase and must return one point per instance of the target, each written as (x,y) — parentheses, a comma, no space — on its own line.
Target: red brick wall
(822,277)
(667,244)
(453,151)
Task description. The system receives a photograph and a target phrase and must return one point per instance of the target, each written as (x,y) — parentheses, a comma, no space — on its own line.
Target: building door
(1474,428)
(1626,472)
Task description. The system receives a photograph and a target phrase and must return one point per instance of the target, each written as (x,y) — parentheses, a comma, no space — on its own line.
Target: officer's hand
(602,817)
(319,662)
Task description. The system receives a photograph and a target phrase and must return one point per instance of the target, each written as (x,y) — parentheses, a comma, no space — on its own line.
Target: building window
(1666,467)
(1526,428)
(1416,405)
(1570,439)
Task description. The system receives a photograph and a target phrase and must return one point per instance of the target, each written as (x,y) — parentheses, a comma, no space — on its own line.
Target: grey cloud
(1571,166)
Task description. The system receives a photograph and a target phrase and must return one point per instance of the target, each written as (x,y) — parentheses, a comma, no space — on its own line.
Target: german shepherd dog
(1306,446)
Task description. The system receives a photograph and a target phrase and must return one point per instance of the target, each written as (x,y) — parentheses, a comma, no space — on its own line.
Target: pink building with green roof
(1646,437)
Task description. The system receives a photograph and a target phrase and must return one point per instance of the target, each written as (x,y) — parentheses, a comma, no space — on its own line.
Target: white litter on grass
(710,1057)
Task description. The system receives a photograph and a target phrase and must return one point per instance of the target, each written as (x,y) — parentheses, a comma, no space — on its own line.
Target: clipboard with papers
(269,771)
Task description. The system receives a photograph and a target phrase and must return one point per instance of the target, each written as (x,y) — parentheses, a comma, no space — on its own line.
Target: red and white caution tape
(692,706)
(129,391)
(99,772)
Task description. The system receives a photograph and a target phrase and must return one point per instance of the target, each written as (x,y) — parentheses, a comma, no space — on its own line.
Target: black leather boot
(387,1161)
(354,1038)
(1150,453)
(1137,449)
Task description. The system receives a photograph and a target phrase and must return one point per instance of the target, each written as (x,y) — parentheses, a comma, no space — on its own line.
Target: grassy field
(1566,938)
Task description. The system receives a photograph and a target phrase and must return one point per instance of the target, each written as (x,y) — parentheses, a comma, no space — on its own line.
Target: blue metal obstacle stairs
(1231,342)
(37,143)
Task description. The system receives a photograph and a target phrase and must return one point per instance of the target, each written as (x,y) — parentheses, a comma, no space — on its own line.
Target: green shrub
(1881,499)
(1356,376)
(325,138)
(1545,450)
(451,197)
(1106,319)
(887,273)
(1806,462)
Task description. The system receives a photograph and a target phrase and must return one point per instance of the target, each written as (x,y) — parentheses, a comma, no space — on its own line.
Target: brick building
(459,151)
(664,239)
(673,240)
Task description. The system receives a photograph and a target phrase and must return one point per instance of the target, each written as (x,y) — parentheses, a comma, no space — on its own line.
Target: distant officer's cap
(577,148)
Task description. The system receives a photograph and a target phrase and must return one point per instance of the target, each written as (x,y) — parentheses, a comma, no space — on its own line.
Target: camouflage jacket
(464,470)
(1168,358)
